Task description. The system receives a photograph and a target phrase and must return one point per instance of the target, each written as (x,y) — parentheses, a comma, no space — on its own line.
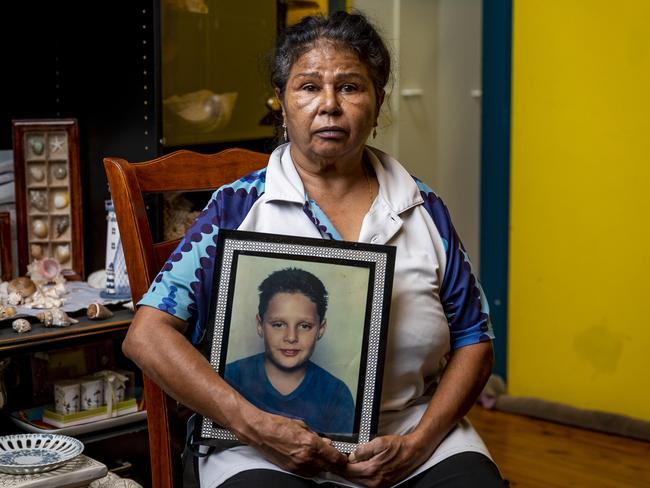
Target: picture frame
(261,322)
(6,266)
(48,194)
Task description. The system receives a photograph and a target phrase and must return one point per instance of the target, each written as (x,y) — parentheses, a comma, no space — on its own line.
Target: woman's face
(290,328)
(329,105)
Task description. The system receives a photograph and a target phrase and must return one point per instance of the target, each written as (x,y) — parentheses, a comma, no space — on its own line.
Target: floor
(535,453)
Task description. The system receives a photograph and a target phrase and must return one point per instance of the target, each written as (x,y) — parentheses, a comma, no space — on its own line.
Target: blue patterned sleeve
(461,295)
(183,286)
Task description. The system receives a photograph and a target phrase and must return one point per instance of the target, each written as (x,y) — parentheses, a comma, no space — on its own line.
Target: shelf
(12,342)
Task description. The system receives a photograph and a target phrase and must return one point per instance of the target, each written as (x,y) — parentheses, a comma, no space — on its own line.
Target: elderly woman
(330,75)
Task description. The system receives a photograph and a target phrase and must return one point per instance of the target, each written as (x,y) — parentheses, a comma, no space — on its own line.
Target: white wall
(432,121)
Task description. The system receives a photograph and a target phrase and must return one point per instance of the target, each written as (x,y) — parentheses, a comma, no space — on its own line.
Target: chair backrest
(180,171)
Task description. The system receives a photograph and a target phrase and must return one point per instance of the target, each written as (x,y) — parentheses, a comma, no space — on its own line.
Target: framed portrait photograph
(298,326)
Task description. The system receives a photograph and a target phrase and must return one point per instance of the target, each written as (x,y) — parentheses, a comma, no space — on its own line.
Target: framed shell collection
(48,193)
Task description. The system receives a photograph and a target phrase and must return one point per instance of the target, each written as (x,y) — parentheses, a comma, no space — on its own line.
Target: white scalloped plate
(36,453)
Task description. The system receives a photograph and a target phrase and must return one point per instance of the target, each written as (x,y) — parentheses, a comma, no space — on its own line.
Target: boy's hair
(293,280)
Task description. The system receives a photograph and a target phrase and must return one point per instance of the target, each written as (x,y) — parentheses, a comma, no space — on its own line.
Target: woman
(330,75)
(282,379)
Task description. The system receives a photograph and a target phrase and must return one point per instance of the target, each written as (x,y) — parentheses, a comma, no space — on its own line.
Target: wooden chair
(179,171)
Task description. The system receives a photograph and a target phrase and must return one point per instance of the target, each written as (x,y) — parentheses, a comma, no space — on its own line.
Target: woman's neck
(345,192)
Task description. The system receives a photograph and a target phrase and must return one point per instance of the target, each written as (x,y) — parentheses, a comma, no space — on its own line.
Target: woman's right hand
(290,444)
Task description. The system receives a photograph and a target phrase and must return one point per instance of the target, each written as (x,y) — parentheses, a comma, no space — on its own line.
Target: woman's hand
(386,460)
(292,446)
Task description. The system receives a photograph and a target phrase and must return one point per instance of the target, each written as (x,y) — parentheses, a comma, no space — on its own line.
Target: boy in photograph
(282,379)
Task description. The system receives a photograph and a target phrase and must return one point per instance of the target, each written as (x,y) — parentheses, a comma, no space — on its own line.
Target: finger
(368,451)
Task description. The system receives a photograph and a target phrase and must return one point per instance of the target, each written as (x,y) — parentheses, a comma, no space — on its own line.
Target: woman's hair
(293,280)
(350,31)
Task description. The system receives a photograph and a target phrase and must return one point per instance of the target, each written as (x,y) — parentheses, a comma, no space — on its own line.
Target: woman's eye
(309,87)
(348,87)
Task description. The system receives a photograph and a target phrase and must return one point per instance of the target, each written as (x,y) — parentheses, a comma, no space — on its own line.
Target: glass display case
(214,58)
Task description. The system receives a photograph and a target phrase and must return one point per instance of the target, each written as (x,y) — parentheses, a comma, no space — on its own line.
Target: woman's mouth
(331,132)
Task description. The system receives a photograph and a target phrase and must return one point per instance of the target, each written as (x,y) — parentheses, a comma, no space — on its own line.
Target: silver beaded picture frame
(357,278)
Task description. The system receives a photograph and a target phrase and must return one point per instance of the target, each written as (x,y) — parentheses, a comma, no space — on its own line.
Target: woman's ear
(321,328)
(380,101)
(260,329)
(277,95)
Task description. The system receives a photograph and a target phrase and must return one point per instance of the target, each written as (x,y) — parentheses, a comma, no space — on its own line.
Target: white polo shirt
(437,304)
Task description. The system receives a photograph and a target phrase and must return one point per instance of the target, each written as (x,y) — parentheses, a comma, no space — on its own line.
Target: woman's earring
(284,133)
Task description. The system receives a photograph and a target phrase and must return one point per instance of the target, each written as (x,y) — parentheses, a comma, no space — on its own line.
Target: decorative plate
(35,453)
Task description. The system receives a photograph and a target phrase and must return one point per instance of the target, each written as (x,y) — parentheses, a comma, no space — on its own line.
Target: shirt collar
(396,185)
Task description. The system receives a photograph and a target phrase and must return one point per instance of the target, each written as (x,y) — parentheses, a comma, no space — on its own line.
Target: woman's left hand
(385,460)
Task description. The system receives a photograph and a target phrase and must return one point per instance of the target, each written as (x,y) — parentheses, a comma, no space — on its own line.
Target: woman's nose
(329,102)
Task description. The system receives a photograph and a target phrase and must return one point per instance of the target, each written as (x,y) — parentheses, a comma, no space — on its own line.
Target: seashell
(48,268)
(61,199)
(38,200)
(37,173)
(14,298)
(60,172)
(36,145)
(61,319)
(21,325)
(45,317)
(62,225)
(97,311)
(23,286)
(39,228)
(97,279)
(36,250)
(62,253)
(7,312)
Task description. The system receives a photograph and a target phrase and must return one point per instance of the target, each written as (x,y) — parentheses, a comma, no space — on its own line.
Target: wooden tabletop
(12,342)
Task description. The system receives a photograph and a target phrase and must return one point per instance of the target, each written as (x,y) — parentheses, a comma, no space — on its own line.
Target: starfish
(56,144)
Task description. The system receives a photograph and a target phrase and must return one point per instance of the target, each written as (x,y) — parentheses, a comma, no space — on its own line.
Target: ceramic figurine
(21,325)
(97,311)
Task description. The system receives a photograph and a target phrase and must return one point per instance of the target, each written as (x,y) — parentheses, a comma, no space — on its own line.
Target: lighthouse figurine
(117,281)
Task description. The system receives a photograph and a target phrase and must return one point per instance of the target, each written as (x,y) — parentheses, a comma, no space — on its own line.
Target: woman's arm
(388,459)
(155,342)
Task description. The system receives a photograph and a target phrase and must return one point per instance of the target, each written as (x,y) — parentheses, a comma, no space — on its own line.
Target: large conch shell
(97,311)
(46,270)
(24,286)
(55,318)
(21,325)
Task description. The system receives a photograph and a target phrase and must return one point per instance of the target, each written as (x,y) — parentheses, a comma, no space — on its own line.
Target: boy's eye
(305,326)
(277,325)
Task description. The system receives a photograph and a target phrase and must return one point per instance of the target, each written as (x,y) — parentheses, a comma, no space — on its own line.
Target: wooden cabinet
(123,448)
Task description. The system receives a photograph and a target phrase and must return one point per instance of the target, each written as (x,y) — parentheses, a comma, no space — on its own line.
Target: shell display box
(48,194)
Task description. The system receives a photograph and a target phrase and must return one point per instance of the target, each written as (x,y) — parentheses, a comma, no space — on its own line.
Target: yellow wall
(579,299)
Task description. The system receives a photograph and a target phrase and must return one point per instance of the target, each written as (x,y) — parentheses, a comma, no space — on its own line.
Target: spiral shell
(45,317)
(24,286)
(97,311)
(62,253)
(7,312)
(21,325)
(61,319)
(38,200)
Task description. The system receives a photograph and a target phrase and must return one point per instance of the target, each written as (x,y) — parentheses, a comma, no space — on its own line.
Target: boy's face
(290,328)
